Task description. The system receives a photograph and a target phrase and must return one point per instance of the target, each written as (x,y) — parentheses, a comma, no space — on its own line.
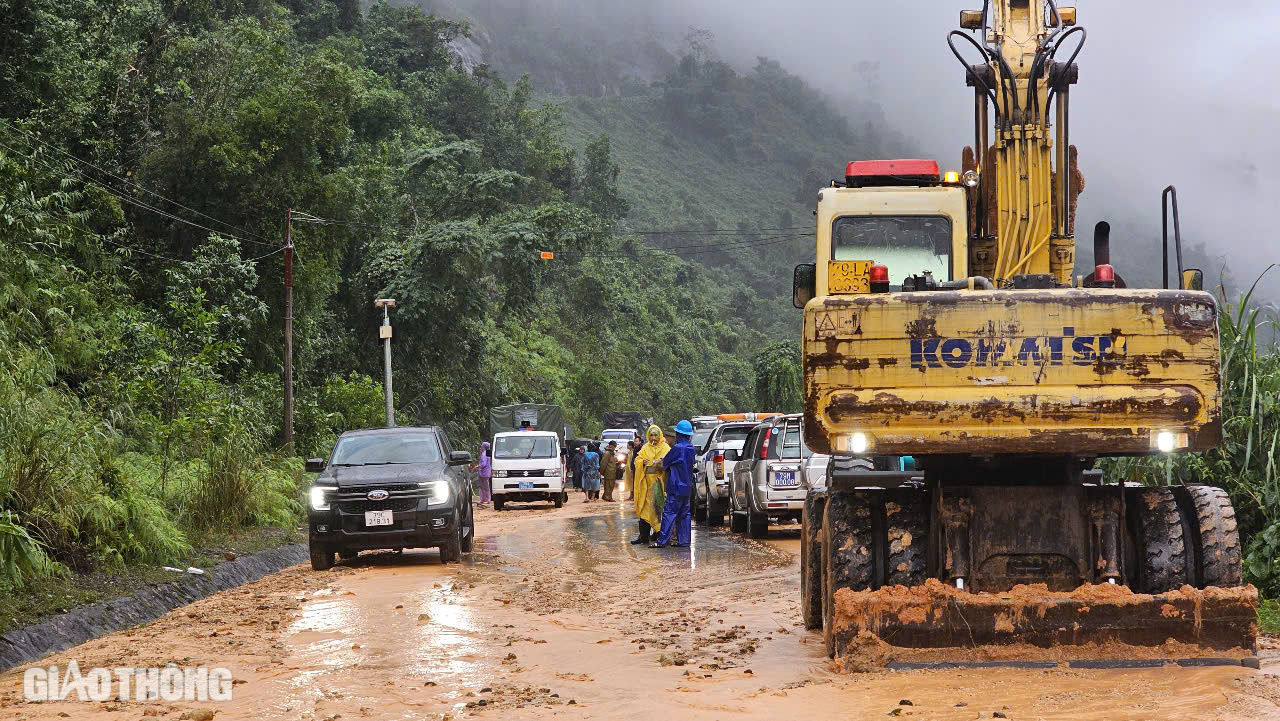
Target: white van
(527,467)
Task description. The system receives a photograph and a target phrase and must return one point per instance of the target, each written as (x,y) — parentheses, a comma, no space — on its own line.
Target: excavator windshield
(908,244)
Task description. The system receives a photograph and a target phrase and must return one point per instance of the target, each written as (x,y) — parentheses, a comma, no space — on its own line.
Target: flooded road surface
(556,615)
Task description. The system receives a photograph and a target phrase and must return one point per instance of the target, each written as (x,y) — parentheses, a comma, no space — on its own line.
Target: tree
(778,377)
(598,189)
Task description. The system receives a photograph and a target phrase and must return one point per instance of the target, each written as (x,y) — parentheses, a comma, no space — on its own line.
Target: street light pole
(385,333)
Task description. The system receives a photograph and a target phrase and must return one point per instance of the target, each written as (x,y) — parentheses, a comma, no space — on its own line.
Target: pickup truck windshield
(907,244)
(521,447)
(734,433)
(381,449)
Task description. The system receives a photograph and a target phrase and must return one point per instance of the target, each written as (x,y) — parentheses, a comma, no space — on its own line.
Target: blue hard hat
(684,428)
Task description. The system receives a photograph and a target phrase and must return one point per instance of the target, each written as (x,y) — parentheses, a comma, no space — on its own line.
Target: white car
(622,435)
(713,468)
(527,467)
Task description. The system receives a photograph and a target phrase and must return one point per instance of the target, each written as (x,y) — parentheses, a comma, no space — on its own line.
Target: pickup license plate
(849,276)
(785,478)
(526,484)
(378,518)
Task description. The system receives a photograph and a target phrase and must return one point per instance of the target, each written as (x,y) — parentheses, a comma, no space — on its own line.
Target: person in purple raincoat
(484,472)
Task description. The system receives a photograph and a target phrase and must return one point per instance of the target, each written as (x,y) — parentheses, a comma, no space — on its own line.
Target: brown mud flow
(937,622)
(557,617)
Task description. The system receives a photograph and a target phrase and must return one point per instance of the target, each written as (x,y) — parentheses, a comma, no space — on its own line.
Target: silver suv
(766,484)
(712,468)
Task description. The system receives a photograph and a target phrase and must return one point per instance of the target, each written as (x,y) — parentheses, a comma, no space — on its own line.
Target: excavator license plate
(849,276)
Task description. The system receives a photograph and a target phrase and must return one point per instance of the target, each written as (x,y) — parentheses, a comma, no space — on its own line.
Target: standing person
(609,470)
(575,466)
(628,473)
(591,474)
(676,515)
(647,483)
(484,472)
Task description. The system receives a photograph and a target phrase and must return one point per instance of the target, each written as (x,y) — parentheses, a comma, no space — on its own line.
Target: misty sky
(1169,92)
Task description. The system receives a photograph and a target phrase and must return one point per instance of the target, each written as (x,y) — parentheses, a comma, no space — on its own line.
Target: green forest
(151,149)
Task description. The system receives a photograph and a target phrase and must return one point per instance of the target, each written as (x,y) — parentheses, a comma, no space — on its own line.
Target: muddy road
(556,615)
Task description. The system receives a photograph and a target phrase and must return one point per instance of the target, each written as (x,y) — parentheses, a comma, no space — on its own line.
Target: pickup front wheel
(451,550)
(321,557)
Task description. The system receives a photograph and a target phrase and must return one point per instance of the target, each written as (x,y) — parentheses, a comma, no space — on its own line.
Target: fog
(1170,92)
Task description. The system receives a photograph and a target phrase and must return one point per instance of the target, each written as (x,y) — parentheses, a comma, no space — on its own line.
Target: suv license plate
(785,478)
(526,484)
(378,518)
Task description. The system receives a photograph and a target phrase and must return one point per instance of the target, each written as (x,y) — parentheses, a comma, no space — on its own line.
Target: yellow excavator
(1005,378)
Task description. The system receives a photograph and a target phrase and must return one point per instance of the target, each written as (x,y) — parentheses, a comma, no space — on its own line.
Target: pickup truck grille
(391,504)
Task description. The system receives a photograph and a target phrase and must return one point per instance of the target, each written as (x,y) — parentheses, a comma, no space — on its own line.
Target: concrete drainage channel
(78,625)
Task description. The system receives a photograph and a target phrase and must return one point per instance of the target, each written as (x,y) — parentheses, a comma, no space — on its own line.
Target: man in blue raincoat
(676,514)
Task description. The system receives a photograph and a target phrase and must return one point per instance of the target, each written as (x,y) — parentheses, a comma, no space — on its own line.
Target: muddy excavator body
(1007,377)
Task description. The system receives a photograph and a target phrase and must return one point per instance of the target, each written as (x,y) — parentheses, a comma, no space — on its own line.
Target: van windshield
(618,435)
(517,446)
(386,448)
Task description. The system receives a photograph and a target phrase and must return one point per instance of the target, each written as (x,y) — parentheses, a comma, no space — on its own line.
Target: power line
(734,239)
(687,250)
(304,217)
(79,161)
(68,224)
(137,203)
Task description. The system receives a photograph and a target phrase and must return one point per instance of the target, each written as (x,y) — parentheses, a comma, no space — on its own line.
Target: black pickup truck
(390,488)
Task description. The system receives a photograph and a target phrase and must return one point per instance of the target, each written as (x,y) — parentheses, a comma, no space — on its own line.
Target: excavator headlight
(1168,441)
(971,19)
(857,442)
(970,178)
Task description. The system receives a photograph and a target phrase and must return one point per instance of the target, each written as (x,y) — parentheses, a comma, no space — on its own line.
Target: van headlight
(320,498)
(437,491)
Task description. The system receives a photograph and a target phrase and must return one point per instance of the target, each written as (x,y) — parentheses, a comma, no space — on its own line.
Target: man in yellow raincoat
(648,475)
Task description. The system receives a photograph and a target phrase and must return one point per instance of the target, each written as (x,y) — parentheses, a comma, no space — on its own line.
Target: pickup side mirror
(460,458)
(315,465)
(804,286)
(1193,279)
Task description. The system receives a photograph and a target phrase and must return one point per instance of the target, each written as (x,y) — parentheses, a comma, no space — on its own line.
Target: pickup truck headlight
(320,498)
(437,491)
(499,474)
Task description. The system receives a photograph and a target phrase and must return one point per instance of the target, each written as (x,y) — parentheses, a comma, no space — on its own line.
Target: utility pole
(288,331)
(384,332)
